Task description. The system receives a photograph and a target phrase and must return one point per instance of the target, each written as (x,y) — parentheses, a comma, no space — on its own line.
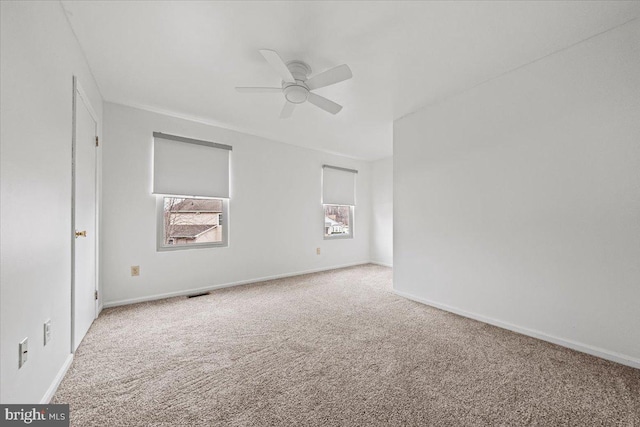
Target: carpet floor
(336,348)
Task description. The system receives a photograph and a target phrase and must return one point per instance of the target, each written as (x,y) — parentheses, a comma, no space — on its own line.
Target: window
(338,199)
(191,222)
(338,221)
(191,181)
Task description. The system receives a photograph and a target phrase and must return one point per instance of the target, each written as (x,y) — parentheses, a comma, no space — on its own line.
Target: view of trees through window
(337,220)
(192,221)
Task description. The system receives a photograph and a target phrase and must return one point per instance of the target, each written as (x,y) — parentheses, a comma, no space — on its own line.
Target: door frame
(79,95)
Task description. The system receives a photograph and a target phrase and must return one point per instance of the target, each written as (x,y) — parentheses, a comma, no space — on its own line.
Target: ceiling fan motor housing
(297,92)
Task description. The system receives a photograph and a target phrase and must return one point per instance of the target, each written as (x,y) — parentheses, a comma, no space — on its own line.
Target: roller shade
(338,186)
(190,167)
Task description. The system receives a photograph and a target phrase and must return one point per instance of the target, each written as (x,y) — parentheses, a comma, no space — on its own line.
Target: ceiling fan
(297,87)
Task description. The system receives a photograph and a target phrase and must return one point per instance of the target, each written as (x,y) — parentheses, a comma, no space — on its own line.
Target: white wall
(39,56)
(382,211)
(518,201)
(276,219)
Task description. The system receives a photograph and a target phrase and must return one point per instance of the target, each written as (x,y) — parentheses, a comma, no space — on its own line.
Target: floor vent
(198,295)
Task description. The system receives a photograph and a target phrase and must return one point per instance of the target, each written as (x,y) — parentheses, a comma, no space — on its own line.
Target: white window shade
(338,186)
(190,167)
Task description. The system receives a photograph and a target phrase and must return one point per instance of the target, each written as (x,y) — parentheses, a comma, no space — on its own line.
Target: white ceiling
(186,57)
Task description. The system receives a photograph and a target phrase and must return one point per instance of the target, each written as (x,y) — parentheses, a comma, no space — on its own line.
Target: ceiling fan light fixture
(296,94)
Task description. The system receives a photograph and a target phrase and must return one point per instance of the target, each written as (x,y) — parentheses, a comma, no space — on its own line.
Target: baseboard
(584,348)
(225,285)
(384,264)
(57,380)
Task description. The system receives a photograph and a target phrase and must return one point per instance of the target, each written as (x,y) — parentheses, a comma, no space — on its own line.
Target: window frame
(351,223)
(161,247)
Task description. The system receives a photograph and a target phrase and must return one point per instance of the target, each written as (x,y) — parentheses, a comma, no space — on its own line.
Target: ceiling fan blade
(329,77)
(287,110)
(259,89)
(278,64)
(324,103)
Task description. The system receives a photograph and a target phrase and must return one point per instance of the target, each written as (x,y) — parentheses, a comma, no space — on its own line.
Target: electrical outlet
(317,251)
(47,332)
(23,349)
(135,270)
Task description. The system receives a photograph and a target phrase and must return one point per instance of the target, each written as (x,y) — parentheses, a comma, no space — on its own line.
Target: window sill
(338,237)
(191,246)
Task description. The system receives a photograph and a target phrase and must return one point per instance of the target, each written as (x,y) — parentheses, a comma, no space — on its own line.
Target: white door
(84,217)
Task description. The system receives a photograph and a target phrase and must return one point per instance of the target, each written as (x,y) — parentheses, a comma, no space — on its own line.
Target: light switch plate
(47,332)
(23,348)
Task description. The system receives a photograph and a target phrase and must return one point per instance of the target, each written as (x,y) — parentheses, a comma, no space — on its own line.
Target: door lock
(81,233)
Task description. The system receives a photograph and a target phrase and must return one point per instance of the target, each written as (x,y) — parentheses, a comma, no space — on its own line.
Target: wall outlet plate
(135,270)
(317,251)
(47,332)
(23,349)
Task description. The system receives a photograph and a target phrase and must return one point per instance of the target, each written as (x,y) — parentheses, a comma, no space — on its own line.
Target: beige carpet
(336,349)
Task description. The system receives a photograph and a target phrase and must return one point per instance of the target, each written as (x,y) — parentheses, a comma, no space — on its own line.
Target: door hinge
(97,142)
(96,294)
